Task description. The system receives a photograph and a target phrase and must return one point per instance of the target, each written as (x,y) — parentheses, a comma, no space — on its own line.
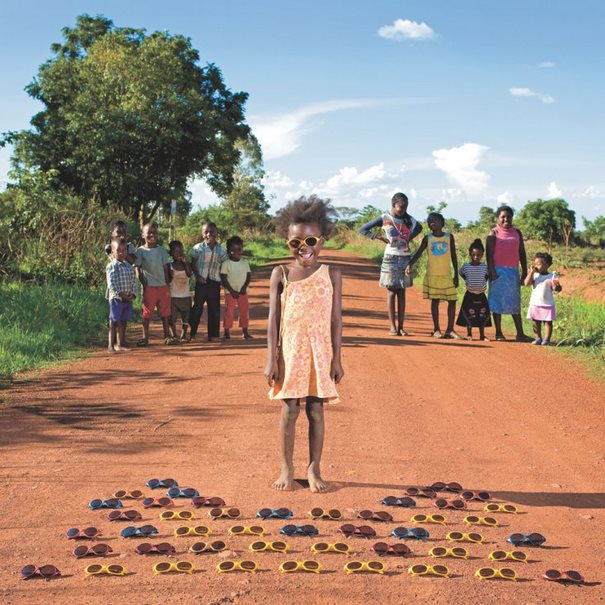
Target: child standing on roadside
(121,291)
(235,277)
(180,297)
(117,230)
(304,333)
(438,281)
(474,312)
(153,269)
(542,302)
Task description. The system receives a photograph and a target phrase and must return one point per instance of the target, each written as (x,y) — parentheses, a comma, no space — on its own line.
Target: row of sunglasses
(310,565)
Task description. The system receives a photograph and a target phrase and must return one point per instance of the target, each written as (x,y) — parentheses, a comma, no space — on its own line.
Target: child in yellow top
(304,333)
(439,283)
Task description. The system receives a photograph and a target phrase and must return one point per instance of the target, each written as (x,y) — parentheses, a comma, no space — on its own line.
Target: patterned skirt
(474,312)
(505,293)
(392,271)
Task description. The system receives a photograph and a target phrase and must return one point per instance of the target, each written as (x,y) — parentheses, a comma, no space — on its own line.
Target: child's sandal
(143,342)
(437,334)
(171,341)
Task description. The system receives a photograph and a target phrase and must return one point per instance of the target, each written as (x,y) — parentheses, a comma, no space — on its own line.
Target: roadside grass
(259,251)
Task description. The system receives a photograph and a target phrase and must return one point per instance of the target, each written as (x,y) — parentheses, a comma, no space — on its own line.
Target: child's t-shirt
(236,272)
(152,261)
(120,278)
(542,292)
(475,276)
(179,286)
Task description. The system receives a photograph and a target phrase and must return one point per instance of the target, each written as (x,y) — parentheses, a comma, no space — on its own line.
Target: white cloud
(546,65)
(413,194)
(590,192)
(505,198)
(553,191)
(350,175)
(281,135)
(461,165)
(528,92)
(404,29)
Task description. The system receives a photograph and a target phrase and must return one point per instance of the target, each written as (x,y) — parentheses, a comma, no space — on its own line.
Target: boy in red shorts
(153,270)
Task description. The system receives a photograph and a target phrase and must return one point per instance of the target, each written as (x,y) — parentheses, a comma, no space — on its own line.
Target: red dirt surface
(519,421)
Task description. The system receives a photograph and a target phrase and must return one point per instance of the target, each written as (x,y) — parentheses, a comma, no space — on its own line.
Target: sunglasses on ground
(421,492)
(252,530)
(144,530)
(452,486)
(127,515)
(429,519)
(171,515)
(200,547)
(260,546)
(455,504)
(417,533)
(319,513)
(475,520)
(199,501)
(489,573)
(163,548)
(458,536)
(44,571)
(323,547)
(98,550)
(500,508)
(360,566)
(274,513)
(296,242)
(122,494)
(405,501)
(502,555)
(554,575)
(480,496)
(187,492)
(368,515)
(159,502)
(457,552)
(364,531)
(302,530)
(81,534)
(291,566)
(225,513)
(398,550)
(227,566)
(533,539)
(109,503)
(198,530)
(429,570)
(179,566)
(156,483)
(112,570)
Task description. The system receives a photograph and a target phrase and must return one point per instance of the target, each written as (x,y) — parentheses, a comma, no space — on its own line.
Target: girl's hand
(243,291)
(200,280)
(493,276)
(456,281)
(408,270)
(272,372)
(336,371)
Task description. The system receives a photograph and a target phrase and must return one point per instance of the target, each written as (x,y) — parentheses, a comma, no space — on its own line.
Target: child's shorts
(541,313)
(181,307)
(156,296)
(120,310)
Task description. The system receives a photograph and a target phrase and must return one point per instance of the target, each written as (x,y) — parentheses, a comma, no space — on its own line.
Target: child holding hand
(180,297)
(439,284)
(304,333)
(542,302)
(235,277)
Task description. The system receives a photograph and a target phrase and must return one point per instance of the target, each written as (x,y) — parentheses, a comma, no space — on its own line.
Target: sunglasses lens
(440,503)
(132,515)
(148,529)
(472,519)
(294,243)
(467,495)
(484,495)
(91,532)
(455,535)
(317,512)
(516,539)
(341,547)
(283,512)
(321,546)
(439,518)
(438,551)
(486,572)
(419,518)
(48,571)
(552,574)
(475,537)
(440,569)
(134,494)
(429,493)
(189,492)
(248,565)
(279,545)
(237,529)
(419,568)
(115,569)
(114,514)
(407,502)
(94,568)
(519,555)
(459,552)
(289,565)
(492,508)
(498,555)
(490,521)
(185,514)
(215,512)
(366,530)
(376,565)
(120,493)
(215,502)
(28,571)
(101,549)
(182,531)
(147,501)
(218,545)
(264,513)
(169,483)
(334,513)
(383,516)
(234,512)
(153,483)
(420,532)
(574,575)
(389,501)
(454,487)
(81,551)
(400,549)
(201,530)
(458,504)
(400,532)
(381,548)
(354,565)
(198,547)
(164,501)
(536,538)
(226,565)
(184,566)
(257,529)
(258,545)
(365,514)
(162,567)
(144,548)
(507,572)
(412,491)
(438,486)
(509,508)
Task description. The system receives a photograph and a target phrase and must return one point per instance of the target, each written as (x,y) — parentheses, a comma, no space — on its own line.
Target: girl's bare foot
(316,483)
(285,481)
(122,348)
(111,350)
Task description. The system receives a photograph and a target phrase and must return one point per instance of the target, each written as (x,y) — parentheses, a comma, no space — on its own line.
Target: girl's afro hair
(306,210)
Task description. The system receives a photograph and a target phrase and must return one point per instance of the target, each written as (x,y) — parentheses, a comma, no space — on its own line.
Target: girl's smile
(305,254)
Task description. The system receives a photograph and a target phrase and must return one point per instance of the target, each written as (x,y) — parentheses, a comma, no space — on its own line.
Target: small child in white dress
(542,301)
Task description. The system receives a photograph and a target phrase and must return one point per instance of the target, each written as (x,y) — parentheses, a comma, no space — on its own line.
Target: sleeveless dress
(305,338)
(505,292)
(438,280)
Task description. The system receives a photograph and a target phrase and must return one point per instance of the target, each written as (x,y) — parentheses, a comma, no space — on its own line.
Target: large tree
(548,220)
(129,118)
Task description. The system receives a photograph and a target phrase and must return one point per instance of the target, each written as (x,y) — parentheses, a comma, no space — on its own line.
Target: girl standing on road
(399,229)
(304,332)
(439,284)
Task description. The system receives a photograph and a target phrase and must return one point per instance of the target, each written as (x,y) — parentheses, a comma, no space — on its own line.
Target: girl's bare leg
(287,432)
(547,330)
(121,337)
(111,337)
(401,311)
(435,314)
(315,415)
(391,310)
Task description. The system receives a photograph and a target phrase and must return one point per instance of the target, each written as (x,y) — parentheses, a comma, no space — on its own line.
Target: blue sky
(471,102)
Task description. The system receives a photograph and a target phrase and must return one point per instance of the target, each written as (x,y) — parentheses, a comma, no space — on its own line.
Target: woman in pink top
(505,250)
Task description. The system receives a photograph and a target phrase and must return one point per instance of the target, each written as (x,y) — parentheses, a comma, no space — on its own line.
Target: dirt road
(520,421)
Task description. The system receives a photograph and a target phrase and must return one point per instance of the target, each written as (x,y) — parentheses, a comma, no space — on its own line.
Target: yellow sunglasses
(112,570)
(183,515)
(502,555)
(429,519)
(253,530)
(310,241)
(309,565)
(225,513)
(260,546)
(458,536)
(487,573)
(501,508)
(179,566)
(359,566)
(198,530)
(227,566)
(457,552)
(321,547)
(429,570)
(475,520)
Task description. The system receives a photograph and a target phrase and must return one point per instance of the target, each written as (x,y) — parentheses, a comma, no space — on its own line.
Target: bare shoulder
(335,272)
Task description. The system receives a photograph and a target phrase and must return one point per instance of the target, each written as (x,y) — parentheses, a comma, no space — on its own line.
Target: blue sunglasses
(303,530)
(155,483)
(274,513)
(144,530)
(186,492)
(533,539)
(418,533)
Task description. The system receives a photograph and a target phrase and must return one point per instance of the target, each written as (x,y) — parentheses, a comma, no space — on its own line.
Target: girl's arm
(416,230)
(336,371)
(490,246)
(419,252)
(272,368)
(529,278)
(246,283)
(454,259)
(367,230)
(167,274)
(188,269)
(522,257)
(227,285)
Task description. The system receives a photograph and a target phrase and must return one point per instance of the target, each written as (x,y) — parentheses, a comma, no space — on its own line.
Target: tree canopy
(547,220)
(128,118)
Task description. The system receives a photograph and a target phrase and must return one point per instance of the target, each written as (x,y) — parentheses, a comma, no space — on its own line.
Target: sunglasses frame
(365,566)
(299,530)
(452,486)
(563,576)
(173,566)
(247,530)
(105,569)
(129,495)
(328,515)
(475,495)
(90,550)
(363,531)
(237,566)
(429,519)
(304,242)
(331,547)
(178,492)
(527,539)
(449,552)
(176,515)
(396,501)
(269,546)
(481,521)
(411,533)
(497,573)
(192,531)
(381,516)
(208,547)
(449,504)
(37,571)
(429,570)
(224,513)
(155,548)
(391,549)
(509,555)
(109,503)
(138,531)
(161,483)
(81,535)
(213,501)
(300,566)
(125,515)
(275,513)
(501,508)
(161,502)
(421,492)
(465,537)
